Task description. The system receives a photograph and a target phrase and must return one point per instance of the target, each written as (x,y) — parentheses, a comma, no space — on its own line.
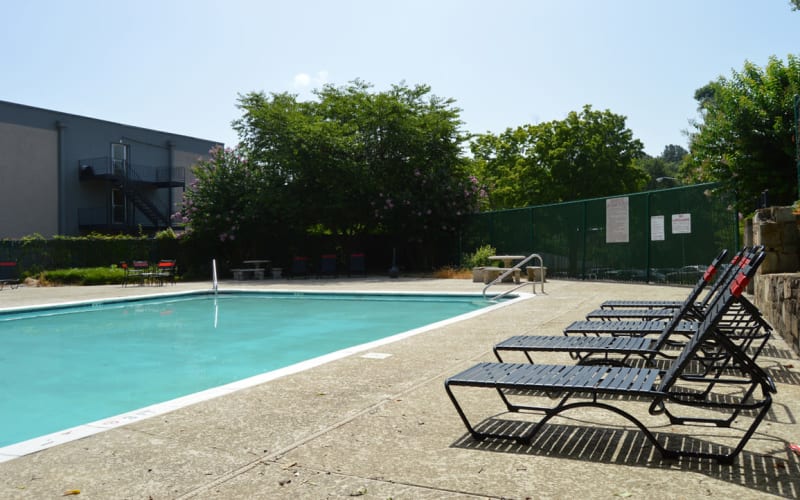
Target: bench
(245,273)
(536,273)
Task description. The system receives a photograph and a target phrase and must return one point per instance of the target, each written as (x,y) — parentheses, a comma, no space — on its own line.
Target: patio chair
(137,272)
(165,271)
(9,274)
(357,264)
(134,272)
(619,350)
(299,267)
(616,388)
(327,265)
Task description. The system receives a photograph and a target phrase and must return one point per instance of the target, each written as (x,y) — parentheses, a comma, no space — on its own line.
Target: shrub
(480,257)
(84,276)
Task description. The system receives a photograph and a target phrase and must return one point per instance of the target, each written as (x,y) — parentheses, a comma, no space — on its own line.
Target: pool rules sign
(617,225)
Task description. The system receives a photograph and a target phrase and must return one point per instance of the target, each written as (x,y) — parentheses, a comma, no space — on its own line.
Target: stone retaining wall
(777,296)
(777,284)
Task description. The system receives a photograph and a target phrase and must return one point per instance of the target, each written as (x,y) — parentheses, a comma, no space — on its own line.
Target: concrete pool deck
(382,426)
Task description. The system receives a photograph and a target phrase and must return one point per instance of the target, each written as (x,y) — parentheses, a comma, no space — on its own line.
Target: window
(119,159)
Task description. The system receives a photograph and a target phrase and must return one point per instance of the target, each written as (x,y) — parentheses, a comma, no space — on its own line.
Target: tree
(511,166)
(745,137)
(666,165)
(233,202)
(673,154)
(353,161)
(588,154)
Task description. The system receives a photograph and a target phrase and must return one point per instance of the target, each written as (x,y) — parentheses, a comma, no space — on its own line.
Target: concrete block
(767,234)
(534,273)
(782,214)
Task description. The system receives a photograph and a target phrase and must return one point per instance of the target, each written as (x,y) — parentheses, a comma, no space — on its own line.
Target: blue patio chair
(327,265)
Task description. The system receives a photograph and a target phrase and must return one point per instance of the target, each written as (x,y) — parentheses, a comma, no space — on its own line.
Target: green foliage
(84,276)
(665,167)
(165,234)
(588,154)
(32,239)
(480,257)
(745,138)
(350,162)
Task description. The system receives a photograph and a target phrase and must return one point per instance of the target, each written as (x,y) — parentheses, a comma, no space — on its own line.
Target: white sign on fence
(617,220)
(681,223)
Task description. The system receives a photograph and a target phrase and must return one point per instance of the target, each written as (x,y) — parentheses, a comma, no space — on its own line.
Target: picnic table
(507,259)
(256,268)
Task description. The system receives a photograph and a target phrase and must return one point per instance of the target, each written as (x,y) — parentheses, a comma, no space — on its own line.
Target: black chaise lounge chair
(614,388)
(662,310)
(690,312)
(674,304)
(624,347)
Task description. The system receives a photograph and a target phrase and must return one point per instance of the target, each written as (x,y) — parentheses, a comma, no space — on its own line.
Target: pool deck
(382,426)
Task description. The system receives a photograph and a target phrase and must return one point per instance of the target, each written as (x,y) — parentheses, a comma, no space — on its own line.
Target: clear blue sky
(179,66)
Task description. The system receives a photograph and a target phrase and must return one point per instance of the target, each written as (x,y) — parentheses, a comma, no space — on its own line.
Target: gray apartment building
(69,175)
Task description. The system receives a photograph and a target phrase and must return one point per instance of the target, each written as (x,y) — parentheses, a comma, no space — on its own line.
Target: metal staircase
(138,184)
(142,203)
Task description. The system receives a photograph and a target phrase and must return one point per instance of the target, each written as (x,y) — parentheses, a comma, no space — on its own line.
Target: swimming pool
(109,363)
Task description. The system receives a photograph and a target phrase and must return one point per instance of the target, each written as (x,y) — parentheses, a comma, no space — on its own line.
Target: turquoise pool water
(64,367)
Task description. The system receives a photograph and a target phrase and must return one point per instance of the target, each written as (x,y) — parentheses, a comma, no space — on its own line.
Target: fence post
(648,238)
(585,234)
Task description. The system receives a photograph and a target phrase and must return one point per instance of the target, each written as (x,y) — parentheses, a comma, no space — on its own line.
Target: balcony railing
(106,168)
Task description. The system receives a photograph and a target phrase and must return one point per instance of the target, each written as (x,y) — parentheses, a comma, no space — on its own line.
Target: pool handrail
(214,282)
(510,271)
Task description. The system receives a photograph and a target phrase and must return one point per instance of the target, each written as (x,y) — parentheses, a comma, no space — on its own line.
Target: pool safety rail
(215,283)
(510,271)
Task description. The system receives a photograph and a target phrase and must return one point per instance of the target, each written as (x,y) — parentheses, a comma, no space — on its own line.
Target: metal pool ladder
(510,271)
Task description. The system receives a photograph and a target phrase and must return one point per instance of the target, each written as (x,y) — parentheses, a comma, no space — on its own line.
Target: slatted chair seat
(643,314)
(627,345)
(642,304)
(523,376)
(628,327)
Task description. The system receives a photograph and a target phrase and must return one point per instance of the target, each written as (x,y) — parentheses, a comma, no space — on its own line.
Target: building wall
(29,186)
(45,150)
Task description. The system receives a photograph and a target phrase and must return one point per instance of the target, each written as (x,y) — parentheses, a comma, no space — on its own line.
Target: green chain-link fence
(668,235)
